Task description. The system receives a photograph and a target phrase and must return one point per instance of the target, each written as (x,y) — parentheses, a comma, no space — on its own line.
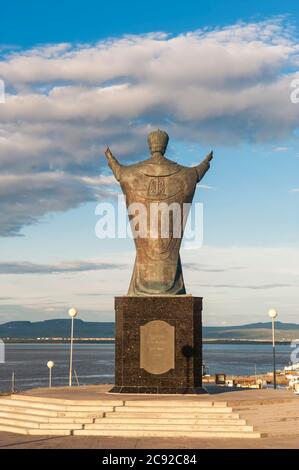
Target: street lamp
(72,313)
(273,315)
(50,365)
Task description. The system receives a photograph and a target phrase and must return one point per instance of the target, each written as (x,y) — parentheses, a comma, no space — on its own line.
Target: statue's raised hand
(203,167)
(108,153)
(209,157)
(113,163)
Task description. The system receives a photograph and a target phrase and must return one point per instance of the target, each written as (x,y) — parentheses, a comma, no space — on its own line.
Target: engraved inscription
(156,187)
(157,347)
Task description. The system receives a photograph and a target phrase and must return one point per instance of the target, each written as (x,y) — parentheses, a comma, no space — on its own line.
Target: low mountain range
(60,328)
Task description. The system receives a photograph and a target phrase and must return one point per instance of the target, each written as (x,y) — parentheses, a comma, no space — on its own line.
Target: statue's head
(158,141)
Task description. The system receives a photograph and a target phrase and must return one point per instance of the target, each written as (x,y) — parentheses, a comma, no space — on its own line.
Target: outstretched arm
(203,167)
(113,163)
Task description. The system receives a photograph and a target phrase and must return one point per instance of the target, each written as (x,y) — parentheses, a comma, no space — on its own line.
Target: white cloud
(65,102)
(205,186)
(8,268)
(26,197)
(281,149)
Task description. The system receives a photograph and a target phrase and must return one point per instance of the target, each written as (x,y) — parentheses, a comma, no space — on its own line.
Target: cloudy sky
(214,78)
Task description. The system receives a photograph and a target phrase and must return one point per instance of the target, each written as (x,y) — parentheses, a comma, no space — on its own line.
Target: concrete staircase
(26,414)
(280,419)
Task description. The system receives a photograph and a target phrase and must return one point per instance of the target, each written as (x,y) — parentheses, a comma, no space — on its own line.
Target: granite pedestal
(158,346)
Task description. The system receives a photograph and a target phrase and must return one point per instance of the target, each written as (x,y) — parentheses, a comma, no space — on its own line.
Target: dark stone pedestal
(158,345)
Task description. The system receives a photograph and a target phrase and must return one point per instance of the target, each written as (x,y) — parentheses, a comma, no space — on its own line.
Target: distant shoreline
(58,331)
(112,341)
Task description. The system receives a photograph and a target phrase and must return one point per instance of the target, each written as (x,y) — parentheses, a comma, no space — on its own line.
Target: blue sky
(34,22)
(215,75)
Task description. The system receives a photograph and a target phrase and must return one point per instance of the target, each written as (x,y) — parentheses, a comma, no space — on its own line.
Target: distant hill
(253,331)
(82,329)
(56,328)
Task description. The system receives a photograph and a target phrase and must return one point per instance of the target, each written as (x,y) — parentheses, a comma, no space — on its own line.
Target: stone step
(181,409)
(162,433)
(292,413)
(219,404)
(72,420)
(54,407)
(18,422)
(24,416)
(36,411)
(59,426)
(173,403)
(19,415)
(172,420)
(51,432)
(62,401)
(272,417)
(13,429)
(167,427)
(50,413)
(144,414)
(35,431)
(80,414)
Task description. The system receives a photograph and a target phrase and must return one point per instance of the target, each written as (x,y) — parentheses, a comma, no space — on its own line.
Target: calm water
(94,363)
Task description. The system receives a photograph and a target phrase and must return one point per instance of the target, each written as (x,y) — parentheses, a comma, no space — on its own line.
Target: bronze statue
(157,269)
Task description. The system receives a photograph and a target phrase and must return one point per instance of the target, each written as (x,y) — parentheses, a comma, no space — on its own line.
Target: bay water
(94,363)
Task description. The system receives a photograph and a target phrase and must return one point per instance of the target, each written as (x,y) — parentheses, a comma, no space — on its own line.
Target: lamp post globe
(73,312)
(273,313)
(50,364)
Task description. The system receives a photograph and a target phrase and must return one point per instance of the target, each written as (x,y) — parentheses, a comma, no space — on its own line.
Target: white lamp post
(50,365)
(72,313)
(273,315)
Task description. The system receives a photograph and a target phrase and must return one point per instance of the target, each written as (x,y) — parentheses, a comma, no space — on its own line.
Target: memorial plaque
(157,347)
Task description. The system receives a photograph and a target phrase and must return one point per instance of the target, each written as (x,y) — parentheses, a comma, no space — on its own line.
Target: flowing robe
(157,268)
